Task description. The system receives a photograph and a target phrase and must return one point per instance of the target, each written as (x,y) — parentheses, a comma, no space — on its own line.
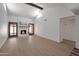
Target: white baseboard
(48,38)
(2,43)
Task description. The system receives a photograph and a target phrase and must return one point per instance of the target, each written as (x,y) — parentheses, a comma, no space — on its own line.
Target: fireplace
(23,32)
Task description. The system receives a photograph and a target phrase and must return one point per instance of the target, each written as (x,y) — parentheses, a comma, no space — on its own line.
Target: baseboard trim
(47,38)
(3,43)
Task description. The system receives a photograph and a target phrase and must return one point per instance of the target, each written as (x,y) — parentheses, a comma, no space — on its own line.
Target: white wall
(3,25)
(77,31)
(68,28)
(50,28)
(19,19)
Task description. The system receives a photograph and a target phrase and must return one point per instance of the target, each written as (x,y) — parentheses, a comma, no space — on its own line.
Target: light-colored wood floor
(35,46)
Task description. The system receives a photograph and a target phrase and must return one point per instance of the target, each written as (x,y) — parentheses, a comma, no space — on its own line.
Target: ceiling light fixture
(37,14)
(5,6)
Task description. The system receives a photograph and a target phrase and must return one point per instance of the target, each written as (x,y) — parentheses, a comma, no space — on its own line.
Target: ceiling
(74,7)
(48,5)
(21,9)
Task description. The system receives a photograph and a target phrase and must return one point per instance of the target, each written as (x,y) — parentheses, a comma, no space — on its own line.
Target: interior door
(12,29)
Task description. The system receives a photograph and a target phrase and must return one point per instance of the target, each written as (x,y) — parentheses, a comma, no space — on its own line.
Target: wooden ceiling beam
(34,5)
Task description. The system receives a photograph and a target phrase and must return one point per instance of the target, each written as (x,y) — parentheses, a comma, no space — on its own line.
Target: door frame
(32,29)
(9,29)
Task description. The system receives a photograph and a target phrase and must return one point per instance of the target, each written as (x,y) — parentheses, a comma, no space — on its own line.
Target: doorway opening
(68,29)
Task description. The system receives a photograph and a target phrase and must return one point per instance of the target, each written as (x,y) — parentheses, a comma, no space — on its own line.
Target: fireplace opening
(23,31)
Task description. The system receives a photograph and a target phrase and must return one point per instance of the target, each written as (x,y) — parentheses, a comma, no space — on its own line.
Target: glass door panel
(31,29)
(12,29)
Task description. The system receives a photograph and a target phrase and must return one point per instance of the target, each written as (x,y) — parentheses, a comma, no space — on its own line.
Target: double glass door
(12,29)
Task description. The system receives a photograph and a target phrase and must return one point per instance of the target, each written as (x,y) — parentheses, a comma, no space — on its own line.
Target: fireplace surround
(23,32)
